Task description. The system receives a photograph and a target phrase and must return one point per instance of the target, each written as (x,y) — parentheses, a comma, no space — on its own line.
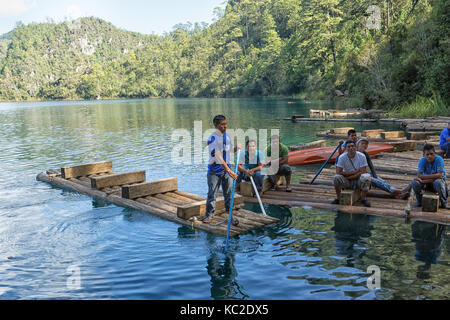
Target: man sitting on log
(376,181)
(445,141)
(278,161)
(251,164)
(351,173)
(431,176)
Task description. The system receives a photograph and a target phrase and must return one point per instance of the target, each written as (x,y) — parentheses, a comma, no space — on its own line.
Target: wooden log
(159,203)
(375,133)
(222,222)
(198,208)
(419,135)
(86,169)
(149,188)
(349,197)
(314,144)
(414,215)
(328,197)
(334,120)
(402,146)
(189,195)
(179,197)
(245,221)
(247,189)
(342,130)
(257,216)
(118,179)
(169,199)
(392,134)
(430,202)
(194,209)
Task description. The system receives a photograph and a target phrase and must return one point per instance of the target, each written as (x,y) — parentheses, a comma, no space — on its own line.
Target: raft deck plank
(86,169)
(118,179)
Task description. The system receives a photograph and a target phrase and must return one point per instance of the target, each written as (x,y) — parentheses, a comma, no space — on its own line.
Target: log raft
(398,169)
(161,198)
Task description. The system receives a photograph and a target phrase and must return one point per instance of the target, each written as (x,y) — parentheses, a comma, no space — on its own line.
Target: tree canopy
(383,53)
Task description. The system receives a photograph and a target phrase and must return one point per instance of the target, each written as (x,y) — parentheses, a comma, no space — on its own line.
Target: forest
(376,54)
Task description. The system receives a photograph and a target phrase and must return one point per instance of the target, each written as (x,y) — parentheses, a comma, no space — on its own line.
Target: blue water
(49,236)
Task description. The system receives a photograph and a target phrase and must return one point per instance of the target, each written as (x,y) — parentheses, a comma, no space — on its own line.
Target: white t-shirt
(348,165)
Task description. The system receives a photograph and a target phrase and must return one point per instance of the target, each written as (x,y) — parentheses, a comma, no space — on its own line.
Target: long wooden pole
(232,201)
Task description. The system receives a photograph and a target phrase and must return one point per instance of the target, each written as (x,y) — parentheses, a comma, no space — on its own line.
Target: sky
(144,16)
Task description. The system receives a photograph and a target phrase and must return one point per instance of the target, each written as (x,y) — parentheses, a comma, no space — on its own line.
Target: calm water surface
(46,233)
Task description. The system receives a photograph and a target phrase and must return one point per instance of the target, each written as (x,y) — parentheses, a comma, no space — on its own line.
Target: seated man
(445,141)
(430,175)
(251,164)
(351,173)
(280,163)
(376,181)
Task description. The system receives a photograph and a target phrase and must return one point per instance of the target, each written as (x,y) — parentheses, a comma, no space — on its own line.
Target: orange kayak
(320,155)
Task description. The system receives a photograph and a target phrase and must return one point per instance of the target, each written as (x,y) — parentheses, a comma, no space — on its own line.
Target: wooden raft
(398,169)
(161,198)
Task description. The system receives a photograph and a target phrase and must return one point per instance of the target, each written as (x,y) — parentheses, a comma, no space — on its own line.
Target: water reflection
(220,266)
(428,239)
(351,234)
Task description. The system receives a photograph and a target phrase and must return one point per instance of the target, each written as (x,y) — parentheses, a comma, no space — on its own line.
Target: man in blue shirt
(219,171)
(445,141)
(251,164)
(430,175)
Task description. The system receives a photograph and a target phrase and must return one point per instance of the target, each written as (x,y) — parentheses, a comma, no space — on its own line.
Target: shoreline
(391,114)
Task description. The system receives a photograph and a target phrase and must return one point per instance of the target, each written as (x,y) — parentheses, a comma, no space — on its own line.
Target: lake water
(49,236)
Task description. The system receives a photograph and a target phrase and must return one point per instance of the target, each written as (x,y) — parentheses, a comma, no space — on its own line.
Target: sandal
(208,220)
(205,219)
(288,189)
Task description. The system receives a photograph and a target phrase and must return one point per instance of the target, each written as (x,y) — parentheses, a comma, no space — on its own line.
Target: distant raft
(161,198)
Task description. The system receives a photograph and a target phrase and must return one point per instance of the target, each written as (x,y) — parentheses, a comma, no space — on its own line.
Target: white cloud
(15,7)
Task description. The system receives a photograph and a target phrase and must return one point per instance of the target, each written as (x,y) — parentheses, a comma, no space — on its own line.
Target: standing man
(431,175)
(219,172)
(445,141)
(281,163)
(351,173)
